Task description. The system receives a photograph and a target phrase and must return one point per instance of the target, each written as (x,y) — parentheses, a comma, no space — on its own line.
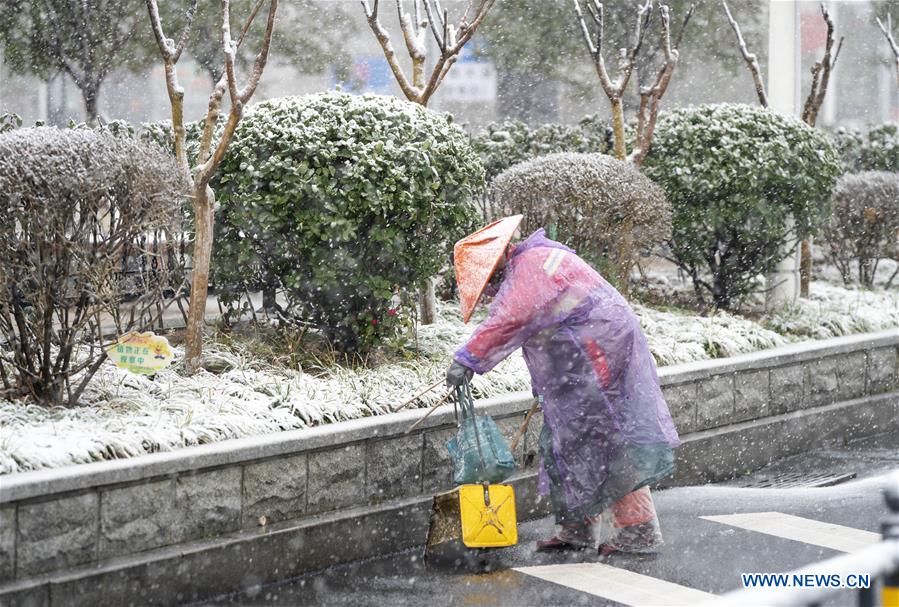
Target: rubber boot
(569,537)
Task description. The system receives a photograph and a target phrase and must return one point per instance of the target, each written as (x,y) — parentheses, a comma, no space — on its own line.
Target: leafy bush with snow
(9,121)
(734,174)
(502,144)
(77,205)
(876,150)
(593,200)
(864,227)
(339,200)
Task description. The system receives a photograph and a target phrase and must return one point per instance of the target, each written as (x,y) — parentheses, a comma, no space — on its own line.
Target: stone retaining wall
(52,521)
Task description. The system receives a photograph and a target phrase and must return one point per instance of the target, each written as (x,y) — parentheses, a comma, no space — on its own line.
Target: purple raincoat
(607,428)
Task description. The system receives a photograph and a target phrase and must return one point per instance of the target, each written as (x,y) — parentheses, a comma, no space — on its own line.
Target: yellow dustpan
(487,514)
(471,516)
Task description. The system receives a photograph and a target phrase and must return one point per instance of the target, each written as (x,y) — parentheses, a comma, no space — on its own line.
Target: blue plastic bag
(479,452)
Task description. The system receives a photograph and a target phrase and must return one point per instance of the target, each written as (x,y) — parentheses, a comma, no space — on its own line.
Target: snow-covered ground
(127,415)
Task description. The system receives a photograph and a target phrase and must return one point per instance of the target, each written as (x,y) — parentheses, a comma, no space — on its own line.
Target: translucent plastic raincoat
(607,428)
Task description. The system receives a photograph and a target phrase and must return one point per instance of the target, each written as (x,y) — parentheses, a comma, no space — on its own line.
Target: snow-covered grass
(833,310)
(126,415)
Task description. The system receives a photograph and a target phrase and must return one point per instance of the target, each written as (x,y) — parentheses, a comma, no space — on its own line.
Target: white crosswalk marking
(618,585)
(828,535)
(636,590)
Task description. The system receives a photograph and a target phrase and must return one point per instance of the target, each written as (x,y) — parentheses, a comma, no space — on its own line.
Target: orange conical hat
(476,257)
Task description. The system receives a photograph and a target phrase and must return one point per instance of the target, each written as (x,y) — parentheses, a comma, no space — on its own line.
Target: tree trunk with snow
(618,128)
(427,16)
(887,29)
(650,96)
(204,220)
(820,78)
(91,95)
(210,153)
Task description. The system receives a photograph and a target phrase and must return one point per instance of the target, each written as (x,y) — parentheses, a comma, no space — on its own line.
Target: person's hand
(457,374)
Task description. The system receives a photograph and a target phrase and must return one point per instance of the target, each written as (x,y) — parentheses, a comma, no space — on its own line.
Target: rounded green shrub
(340,201)
(735,175)
(602,207)
(864,226)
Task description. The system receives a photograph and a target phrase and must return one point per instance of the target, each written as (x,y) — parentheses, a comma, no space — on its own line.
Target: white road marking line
(618,585)
(828,535)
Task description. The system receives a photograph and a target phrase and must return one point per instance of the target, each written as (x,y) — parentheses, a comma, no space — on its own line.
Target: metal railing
(880,562)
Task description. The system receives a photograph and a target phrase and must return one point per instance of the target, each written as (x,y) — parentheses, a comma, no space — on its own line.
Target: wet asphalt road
(698,553)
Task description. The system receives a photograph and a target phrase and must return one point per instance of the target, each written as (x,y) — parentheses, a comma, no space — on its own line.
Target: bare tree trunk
(887,29)
(269,301)
(625,251)
(91,95)
(618,128)
(805,267)
(820,79)
(615,90)
(204,220)
(427,304)
(210,153)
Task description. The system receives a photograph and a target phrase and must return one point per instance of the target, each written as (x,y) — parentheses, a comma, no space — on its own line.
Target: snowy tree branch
(821,74)
(650,97)
(262,56)
(450,42)
(215,98)
(240,98)
(371,14)
(185,33)
(596,12)
(229,53)
(166,45)
(887,29)
(439,31)
(751,59)
(170,55)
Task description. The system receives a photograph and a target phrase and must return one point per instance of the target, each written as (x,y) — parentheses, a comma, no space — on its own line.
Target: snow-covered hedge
(864,225)
(338,200)
(78,204)
(874,150)
(734,175)
(592,200)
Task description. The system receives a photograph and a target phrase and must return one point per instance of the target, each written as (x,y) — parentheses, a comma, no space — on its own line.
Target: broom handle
(412,400)
(433,408)
(524,426)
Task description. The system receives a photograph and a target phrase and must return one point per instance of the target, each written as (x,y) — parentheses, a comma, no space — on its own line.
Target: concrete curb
(27,485)
(775,357)
(247,559)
